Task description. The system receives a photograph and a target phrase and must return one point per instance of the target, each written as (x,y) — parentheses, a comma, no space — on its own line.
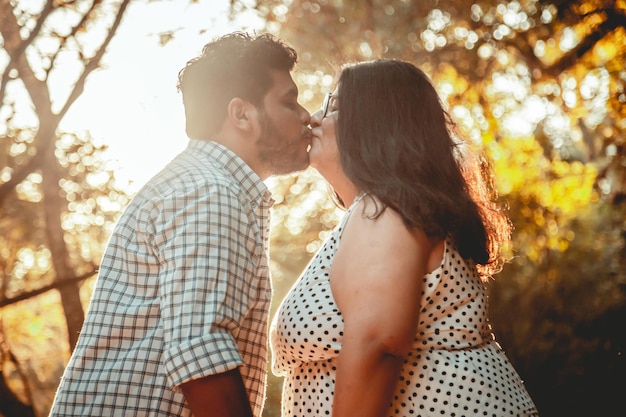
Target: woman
(390,317)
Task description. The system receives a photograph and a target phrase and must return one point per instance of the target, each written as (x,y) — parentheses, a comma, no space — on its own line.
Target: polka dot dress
(455,368)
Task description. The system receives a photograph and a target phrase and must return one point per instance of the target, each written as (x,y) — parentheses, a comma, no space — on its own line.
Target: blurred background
(89,111)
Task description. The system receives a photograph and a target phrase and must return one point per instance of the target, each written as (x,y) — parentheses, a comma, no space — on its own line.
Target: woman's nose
(316,118)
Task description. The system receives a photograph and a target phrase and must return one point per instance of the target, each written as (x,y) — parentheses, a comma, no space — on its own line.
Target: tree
(57,199)
(540,86)
(566,57)
(59,196)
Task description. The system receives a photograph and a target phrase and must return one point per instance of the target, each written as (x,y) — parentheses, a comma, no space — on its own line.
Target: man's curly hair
(235,65)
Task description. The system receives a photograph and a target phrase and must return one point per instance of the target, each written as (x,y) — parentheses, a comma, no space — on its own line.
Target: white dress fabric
(454,368)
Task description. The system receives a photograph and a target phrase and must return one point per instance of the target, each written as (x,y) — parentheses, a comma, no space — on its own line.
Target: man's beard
(274,150)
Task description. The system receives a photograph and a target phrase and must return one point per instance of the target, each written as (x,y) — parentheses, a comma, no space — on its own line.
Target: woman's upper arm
(377,277)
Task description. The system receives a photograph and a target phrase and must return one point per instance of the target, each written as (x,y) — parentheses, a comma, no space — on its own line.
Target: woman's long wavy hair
(398,144)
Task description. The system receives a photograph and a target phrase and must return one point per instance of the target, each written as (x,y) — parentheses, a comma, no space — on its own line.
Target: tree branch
(19,51)
(613,21)
(37,89)
(10,28)
(55,285)
(93,63)
(81,24)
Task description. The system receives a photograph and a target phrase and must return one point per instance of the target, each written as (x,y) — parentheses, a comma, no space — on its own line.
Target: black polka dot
(455,368)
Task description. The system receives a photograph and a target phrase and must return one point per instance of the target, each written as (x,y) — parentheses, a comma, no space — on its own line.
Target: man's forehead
(283,84)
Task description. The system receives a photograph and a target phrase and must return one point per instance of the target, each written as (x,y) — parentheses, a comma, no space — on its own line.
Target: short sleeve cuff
(212,354)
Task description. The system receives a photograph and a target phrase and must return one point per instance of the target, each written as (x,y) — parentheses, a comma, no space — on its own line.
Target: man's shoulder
(188,173)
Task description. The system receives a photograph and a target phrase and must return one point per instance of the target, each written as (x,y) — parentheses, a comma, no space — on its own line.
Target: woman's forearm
(366,380)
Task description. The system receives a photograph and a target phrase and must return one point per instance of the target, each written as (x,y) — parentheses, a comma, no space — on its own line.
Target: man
(177,324)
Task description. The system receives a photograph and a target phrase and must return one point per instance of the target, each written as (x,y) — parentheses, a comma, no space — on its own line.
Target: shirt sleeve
(206,281)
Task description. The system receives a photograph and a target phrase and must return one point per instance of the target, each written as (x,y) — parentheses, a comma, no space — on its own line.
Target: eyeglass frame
(326,103)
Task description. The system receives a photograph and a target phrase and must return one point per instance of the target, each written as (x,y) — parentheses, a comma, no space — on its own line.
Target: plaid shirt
(183,292)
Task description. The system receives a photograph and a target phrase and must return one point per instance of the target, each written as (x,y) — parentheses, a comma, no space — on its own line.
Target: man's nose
(305,116)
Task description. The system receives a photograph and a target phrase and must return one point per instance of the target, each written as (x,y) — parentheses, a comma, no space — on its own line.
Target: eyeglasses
(326,104)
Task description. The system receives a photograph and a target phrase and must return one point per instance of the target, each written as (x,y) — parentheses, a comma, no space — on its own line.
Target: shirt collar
(249,180)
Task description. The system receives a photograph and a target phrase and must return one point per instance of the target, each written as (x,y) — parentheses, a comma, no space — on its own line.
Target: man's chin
(305,164)
(296,169)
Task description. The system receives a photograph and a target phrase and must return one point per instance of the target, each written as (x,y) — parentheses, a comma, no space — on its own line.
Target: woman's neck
(347,191)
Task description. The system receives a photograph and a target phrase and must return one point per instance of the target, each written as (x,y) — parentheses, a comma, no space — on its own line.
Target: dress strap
(357,199)
(355,202)
(347,214)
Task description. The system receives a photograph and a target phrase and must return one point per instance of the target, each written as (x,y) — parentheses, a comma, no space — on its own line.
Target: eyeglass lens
(326,104)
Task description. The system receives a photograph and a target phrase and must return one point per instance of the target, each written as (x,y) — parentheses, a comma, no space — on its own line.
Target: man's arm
(220,395)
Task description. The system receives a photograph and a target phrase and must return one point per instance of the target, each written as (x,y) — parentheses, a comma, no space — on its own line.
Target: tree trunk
(54,205)
(10,405)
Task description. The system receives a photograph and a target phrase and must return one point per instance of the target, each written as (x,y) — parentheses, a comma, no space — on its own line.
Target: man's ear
(242,114)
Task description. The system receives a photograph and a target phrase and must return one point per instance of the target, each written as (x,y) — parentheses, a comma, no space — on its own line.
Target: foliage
(561,316)
(58,196)
(302,216)
(93,201)
(539,85)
